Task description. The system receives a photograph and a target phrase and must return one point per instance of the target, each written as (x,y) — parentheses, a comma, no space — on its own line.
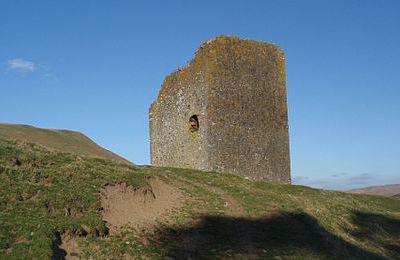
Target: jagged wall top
(206,57)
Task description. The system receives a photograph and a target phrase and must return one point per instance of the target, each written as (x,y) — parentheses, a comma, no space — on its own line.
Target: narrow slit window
(194,123)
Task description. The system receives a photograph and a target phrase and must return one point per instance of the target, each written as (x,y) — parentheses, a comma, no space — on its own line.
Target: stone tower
(225,111)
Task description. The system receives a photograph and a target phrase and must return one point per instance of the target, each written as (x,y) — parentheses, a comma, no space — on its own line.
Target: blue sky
(96,66)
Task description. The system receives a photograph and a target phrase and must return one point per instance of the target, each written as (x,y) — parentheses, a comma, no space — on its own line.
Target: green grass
(47,192)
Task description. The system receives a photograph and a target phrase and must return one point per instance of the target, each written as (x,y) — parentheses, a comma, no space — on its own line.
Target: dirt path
(233,207)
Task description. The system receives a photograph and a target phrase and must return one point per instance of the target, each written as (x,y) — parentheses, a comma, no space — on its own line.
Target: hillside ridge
(59,139)
(390,190)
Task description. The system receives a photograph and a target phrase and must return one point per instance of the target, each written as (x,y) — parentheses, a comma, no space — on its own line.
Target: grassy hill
(55,204)
(63,140)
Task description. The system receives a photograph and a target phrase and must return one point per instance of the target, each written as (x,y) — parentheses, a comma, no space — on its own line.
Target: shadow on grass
(58,253)
(378,230)
(286,234)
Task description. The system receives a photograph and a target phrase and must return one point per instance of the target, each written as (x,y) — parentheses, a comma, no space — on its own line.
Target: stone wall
(237,90)
(172,143)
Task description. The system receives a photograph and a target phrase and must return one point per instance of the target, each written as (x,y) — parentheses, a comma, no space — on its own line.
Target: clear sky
(96,66)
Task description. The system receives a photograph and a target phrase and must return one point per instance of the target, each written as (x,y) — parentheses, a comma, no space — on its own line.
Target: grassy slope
(63,140)
(44,192)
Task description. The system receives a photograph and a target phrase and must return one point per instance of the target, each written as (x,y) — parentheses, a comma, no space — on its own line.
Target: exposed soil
(125,206)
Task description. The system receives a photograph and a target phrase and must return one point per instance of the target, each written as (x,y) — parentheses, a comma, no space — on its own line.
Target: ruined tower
(225,111)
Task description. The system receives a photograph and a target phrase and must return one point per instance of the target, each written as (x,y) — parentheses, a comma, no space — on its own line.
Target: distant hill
(385,190)
(62,140)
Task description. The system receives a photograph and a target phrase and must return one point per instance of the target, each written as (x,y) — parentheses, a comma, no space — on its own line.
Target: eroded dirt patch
(124,205)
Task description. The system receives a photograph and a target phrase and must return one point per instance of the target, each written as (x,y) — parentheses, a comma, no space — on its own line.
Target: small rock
(87,229)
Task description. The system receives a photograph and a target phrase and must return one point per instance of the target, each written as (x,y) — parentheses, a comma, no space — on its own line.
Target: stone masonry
(226,111)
